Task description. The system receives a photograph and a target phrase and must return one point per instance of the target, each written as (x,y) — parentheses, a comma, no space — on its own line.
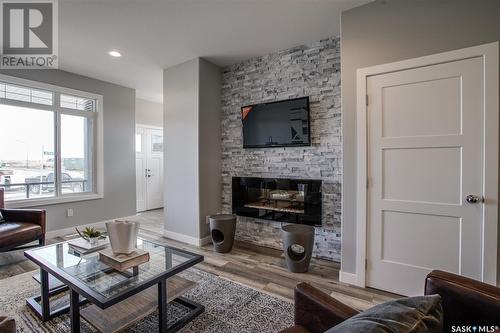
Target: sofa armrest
(317,311)
(465,301)
(35,216)
(7,324)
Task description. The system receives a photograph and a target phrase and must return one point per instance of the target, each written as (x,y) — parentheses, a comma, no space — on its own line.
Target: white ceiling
(155,34)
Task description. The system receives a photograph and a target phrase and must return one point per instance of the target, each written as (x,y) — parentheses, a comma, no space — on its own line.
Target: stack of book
(82,246)
(122,262)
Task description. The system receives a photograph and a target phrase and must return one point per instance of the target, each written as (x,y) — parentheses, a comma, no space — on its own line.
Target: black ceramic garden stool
(222,230)
(298,242)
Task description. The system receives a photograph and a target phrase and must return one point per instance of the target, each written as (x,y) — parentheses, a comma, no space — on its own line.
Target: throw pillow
(407,315)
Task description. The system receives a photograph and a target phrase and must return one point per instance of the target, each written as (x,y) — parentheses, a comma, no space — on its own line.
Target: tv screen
(276,124)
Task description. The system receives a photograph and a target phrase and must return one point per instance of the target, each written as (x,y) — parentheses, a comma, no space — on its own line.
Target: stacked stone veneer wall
(310,70)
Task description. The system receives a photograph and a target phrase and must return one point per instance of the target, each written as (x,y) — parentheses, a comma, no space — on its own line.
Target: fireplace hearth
(278,199)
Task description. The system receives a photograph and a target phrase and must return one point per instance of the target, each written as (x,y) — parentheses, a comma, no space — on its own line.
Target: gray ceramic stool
(222,230)
(298,242)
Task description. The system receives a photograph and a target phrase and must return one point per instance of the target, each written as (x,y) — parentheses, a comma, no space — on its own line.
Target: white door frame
(489,53)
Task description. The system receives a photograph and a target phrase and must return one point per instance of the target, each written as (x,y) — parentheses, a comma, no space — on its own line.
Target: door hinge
(366,264)
(367,183)
(366,99)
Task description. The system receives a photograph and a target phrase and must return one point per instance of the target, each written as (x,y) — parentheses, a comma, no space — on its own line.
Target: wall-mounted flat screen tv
(276,124)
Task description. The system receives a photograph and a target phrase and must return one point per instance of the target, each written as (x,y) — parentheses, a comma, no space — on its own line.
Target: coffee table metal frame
(40,304)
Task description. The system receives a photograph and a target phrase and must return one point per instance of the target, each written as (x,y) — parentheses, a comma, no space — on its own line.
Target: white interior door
(425,157)
(149,168)
(154,176)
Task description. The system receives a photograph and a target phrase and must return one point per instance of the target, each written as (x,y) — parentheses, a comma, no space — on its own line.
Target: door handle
(473,199)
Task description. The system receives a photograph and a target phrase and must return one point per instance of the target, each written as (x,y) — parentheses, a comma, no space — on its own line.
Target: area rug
(229,307)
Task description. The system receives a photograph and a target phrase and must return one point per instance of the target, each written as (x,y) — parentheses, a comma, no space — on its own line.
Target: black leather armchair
(21,226)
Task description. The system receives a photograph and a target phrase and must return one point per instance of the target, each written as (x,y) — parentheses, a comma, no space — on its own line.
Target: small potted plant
(90,234)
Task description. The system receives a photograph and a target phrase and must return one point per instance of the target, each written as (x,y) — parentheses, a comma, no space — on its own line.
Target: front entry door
(149,168)
(425,162)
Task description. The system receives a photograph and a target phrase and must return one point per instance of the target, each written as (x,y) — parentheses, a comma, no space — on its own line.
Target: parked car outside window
(67,182)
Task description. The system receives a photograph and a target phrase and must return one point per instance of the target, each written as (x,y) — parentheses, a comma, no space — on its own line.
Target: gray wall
(180,137)
(148,113)
(209,142)
(192,146)
(391,30)
(309,70)
(119,155)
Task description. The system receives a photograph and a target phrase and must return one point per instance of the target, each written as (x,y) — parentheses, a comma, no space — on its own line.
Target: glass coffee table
(90,280)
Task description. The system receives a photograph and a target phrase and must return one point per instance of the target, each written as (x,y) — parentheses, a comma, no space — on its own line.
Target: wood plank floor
(257,267)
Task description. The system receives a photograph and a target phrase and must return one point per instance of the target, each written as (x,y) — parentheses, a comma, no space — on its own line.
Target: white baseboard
(186,239)
(71,230)
(349,278)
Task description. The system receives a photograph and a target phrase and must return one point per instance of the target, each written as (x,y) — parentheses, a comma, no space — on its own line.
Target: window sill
(28,203)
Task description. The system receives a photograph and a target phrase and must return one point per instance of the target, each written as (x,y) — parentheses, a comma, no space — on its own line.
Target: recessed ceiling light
(115,54)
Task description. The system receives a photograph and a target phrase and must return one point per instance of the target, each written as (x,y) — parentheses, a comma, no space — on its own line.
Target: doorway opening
(149,167)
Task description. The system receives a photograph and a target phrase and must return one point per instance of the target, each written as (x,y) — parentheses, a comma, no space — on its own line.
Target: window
(25,94)
(138,143)
(48,143)
(77,103)
(157,143)
(76,154)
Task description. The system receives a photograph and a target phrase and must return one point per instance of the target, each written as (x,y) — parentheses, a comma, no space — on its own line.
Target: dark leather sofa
(465,302)
(7,324)
(21,226)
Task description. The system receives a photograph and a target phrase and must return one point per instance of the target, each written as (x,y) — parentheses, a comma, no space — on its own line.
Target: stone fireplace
(310,70)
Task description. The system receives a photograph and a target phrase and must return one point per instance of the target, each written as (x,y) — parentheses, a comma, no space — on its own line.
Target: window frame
(97,140)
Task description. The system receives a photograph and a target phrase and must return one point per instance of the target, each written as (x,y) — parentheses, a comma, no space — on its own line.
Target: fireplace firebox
(278,199)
